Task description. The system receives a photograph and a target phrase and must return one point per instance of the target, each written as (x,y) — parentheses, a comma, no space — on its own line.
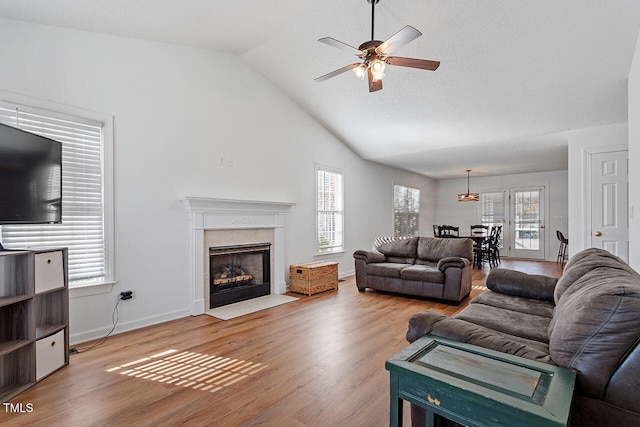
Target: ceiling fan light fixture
(469,197)
(360,71)
(377,69)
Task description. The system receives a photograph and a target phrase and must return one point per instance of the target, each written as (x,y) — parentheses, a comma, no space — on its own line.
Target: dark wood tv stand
(34,301)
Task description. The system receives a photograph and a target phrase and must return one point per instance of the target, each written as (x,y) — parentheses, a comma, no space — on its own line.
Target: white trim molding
(225,214)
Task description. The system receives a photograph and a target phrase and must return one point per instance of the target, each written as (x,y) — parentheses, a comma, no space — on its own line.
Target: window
(84,199)
(330,210)
(493,209)
(406,211)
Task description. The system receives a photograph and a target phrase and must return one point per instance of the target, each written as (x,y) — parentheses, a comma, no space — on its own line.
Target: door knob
(597,234)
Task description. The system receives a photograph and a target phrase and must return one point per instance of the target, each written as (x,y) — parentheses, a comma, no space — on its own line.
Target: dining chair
(562,250)
(479,229)
(495,245)
(478,233)
(489,251)
(449,231)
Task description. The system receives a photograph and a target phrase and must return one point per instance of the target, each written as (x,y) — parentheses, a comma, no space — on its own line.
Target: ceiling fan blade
(340,45)
(423,64)
(374,85)
(398,40)
(338,71)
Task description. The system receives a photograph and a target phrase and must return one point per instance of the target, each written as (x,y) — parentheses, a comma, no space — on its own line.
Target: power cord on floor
(114,319)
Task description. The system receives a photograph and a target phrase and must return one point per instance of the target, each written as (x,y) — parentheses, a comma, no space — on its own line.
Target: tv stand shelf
(46,330)
(4,301)
(7,347)
(34,317)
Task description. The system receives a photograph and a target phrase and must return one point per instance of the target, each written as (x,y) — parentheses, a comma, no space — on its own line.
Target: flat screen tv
(30,178)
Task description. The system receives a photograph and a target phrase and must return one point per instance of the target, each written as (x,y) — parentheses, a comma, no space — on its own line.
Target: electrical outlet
(125,295)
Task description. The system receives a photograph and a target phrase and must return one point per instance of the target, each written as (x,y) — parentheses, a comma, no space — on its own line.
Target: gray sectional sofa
(587,321)
(422,266)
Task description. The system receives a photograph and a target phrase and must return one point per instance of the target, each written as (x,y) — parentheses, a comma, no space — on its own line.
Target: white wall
(634,159)
(176,111)
(581,142)
(450,211)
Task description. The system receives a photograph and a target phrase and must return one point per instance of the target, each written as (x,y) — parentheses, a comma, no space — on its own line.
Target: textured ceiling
(514,76)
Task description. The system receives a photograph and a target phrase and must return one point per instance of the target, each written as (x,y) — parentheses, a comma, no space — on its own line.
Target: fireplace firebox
(238,273)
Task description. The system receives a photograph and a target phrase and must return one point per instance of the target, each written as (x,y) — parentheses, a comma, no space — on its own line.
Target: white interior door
(526,223)
(610,202)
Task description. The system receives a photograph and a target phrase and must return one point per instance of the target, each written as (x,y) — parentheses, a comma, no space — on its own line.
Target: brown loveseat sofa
(587,321)
(422,266)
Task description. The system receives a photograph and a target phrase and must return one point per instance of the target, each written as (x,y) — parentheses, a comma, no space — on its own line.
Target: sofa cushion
(422,273)
(401,251)
(524,325)
(386,269)
(379,241)
(435,248)
(519,304)
(430,322)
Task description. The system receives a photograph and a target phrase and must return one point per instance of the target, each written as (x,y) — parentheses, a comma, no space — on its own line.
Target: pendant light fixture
(469,197)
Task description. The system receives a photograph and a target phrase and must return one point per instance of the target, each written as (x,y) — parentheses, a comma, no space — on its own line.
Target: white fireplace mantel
(224,214)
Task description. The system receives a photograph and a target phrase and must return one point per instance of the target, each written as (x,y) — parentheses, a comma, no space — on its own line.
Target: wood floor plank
(318,361)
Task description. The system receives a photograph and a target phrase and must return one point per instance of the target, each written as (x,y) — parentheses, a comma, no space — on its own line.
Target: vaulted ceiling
(515,76)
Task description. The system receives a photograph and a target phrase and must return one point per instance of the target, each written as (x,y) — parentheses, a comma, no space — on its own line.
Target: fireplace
(238,273)
(216,222)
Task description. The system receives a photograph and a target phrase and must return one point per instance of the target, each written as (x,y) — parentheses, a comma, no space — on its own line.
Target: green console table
(475,386)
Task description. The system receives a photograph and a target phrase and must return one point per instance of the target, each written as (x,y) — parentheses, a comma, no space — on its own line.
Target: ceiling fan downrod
(373,9)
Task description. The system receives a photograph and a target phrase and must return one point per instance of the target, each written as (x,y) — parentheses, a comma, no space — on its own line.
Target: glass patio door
(527,223)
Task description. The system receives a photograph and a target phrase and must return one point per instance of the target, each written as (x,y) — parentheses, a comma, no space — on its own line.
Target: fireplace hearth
(239,273)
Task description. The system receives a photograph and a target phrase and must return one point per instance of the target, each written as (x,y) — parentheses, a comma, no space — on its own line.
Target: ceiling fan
(375,55)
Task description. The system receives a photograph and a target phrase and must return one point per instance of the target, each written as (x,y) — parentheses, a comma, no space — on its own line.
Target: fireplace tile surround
(216,222)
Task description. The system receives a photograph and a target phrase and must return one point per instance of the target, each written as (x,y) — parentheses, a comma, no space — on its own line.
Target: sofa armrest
(452,261)
(369,256)
(517,283)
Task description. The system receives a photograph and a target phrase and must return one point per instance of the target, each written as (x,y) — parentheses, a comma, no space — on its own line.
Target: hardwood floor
(318,361)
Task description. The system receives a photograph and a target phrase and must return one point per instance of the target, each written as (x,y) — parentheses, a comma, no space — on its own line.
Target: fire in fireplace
(238,273)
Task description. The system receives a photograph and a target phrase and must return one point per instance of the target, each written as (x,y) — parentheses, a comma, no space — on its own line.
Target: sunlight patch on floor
(186,369)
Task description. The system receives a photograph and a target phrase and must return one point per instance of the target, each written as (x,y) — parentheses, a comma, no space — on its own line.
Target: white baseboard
(98,333)
(127,326)
(347,273)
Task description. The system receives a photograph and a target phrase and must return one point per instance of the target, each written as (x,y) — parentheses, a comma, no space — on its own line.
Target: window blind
(82,228)
(493,208)
(330,211)
(406,212)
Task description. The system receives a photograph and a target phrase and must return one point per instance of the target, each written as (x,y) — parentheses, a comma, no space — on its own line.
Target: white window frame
(338,247)
(407,213)
(104,284)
